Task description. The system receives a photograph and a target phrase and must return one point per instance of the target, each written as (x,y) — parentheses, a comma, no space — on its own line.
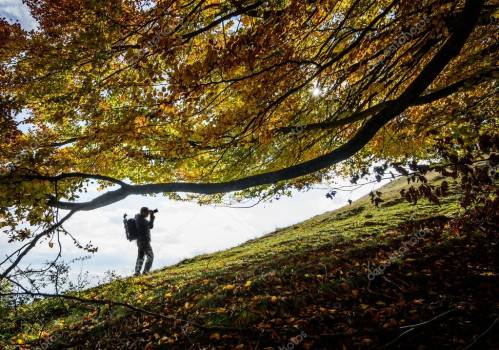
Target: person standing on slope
(144,227)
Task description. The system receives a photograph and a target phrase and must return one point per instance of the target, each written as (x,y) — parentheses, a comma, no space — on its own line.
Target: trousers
(144,249)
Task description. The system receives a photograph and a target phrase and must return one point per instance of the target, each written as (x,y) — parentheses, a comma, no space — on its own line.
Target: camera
(153,211)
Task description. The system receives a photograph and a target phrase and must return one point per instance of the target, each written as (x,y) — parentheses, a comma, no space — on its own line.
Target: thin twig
(413,327)
(477,339)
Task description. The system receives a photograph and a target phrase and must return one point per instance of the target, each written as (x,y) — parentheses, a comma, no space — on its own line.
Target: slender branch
(480,337)
(412,328)
(33,242)
(63,143)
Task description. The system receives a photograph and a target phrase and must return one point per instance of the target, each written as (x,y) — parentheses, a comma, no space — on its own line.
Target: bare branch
(33,242)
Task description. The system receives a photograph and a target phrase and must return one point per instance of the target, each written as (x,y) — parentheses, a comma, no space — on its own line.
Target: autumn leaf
(215,336)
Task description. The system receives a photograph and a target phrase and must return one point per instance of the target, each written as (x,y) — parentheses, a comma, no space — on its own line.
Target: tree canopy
(248,97)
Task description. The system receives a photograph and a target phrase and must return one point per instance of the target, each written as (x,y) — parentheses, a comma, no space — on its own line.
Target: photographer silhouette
(144,227)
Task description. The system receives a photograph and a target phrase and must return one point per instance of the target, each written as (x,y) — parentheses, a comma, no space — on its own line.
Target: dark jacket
(144,227)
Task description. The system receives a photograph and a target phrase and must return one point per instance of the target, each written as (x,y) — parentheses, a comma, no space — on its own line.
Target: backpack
(130,228)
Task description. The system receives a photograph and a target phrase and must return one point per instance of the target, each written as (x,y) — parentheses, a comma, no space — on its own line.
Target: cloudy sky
(182,229)
(16,11)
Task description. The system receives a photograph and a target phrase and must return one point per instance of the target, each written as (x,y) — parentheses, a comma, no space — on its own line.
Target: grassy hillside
(354,278)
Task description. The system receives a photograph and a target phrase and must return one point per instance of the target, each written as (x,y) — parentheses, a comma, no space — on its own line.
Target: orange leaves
(229,287)
(11,36)
(214,336)
(140,122)
(176,92)
(211,58)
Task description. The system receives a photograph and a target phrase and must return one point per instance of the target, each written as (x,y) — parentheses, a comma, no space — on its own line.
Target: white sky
(182,230)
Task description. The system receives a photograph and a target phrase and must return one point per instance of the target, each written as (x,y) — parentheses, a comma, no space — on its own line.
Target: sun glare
(316,91)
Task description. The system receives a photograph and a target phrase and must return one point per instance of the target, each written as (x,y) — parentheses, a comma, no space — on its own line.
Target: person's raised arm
(151,220)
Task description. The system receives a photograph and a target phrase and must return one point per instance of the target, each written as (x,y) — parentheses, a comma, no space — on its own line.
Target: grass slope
(304,287)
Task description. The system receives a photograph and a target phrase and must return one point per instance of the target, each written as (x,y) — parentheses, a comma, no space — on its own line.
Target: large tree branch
(445,54)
